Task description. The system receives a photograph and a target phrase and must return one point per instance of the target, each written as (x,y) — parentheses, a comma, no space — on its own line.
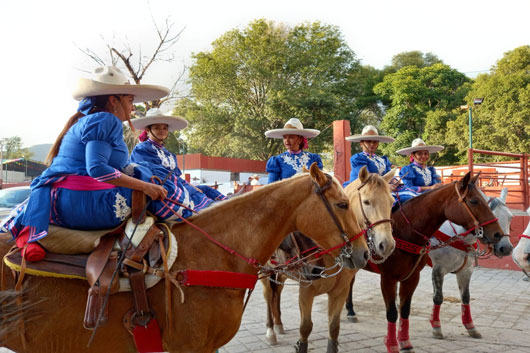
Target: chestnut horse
(371,201)
(458,258)
(209,317)
(415,221)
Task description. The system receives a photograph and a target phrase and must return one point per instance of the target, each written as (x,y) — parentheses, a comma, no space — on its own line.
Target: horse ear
(363,174)
(474,179)
(463,183)
(504,194)
(318,176)
(388,176)
(304,169)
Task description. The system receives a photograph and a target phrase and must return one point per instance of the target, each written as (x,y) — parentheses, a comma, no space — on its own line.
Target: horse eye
(366,202)
(343,205)
(473,201)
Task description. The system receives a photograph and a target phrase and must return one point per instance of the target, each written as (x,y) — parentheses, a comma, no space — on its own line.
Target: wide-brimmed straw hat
(369,133)
(155,116)
(292,127)
(109,80)
(419,145)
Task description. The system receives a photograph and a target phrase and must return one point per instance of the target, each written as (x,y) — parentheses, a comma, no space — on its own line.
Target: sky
(41,59)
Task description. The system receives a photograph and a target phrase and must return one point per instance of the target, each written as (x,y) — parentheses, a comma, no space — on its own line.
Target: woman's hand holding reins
(155,191)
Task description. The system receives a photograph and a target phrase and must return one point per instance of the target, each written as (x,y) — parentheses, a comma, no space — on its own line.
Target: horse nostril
(366,255)
(381,247)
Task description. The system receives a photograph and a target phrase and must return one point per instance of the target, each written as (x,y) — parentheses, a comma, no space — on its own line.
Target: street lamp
(2,141)
(476,101)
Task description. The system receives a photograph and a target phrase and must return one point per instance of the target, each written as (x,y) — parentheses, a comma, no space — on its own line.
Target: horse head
(521,253)
(297,246)
(499,208)
(336,229)
(470,210)
(371,200)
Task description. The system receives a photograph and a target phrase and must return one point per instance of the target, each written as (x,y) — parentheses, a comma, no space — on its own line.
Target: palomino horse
(458,259)
(521,253)
(414,223)
(371,201)
(208,317)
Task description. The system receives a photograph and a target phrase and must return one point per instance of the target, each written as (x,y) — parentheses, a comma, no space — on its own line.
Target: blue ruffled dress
(287,164)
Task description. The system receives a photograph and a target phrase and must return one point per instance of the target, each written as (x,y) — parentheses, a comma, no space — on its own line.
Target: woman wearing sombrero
(293,160)
(369,140)
(83,187)
(151,157)
(417,177)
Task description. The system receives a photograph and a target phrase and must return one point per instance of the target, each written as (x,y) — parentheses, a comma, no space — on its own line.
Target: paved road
(500,305)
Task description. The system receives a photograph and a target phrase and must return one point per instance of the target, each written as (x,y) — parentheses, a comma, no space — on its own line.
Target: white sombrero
(155,116)
(292,127)
(108,80)
(369,133)
(419,145)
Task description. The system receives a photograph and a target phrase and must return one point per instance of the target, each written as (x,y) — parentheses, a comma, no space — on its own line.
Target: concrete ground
(500,306)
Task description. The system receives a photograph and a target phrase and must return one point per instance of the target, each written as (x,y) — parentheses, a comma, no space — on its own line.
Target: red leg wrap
(467,320)
(391,342)
(435,316)
(32,252)
(403,334)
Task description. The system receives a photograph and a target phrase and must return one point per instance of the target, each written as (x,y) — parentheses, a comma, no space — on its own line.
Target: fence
(494,176)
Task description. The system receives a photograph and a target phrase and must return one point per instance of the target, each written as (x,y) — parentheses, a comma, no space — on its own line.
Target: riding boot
(391,342)
(403,335)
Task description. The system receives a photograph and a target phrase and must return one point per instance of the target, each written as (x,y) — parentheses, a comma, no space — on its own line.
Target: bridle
(368,226)
(478,227)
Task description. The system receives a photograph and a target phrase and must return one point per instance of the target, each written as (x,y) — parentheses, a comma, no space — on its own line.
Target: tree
(422,101)
(12,148)
(411,58)
(257,78)
(502,121)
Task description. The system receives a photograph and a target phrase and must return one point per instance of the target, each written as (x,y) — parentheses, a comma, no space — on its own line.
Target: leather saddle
(100,267)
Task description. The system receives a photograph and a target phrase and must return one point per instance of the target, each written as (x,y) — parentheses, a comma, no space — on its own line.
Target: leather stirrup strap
(98,258)
(138,254)
(138,205)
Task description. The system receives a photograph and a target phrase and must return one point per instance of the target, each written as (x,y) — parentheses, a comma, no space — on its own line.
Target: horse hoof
(279,329)
(333,346)
(407,350)
(352,318)
(474,333)
(406,346)
(270,337)
(301,347)
(437,332)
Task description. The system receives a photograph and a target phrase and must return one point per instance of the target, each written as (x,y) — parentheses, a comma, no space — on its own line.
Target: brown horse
(371,201)
(209,317)
(414,223)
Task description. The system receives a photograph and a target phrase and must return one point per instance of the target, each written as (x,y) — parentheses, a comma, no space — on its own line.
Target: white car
(11,197)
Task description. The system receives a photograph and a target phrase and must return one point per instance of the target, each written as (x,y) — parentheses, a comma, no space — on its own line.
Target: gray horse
(459,259)
(521,253)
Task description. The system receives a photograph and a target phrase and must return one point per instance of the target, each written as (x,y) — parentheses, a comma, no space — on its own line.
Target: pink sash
(82,183)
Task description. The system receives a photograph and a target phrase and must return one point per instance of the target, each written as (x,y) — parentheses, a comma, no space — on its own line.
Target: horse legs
(272,293)
(388,288)
(406,290)
(305,301)
(335,303)
(438,298)
(463,278)
(351,315)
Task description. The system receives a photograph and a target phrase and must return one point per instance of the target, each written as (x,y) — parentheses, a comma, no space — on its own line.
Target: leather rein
(422,250)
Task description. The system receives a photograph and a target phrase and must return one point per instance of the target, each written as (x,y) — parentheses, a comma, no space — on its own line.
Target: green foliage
(257,78)
(502,121)
(423,100)
(12,148)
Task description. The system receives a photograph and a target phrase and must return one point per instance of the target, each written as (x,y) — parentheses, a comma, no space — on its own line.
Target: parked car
(11,197)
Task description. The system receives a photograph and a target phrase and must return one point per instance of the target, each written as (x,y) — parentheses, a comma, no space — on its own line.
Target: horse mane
(11,311)
(420,197)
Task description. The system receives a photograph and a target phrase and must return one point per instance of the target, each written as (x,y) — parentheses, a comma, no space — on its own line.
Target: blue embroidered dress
(94,147)
(374,163)
(413,177)
(287,164)
(159,161)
